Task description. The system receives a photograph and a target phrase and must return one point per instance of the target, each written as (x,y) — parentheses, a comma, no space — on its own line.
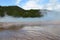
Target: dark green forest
(16,11)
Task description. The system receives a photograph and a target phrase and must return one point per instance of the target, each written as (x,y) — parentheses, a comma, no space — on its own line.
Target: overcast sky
(33,4)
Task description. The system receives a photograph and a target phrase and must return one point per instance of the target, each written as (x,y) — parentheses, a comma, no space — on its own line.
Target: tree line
(16,11)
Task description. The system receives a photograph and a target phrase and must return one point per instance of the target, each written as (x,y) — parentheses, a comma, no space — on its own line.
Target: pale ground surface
(43,32)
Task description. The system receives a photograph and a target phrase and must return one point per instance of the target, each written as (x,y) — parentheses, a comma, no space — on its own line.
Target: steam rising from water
(49,16)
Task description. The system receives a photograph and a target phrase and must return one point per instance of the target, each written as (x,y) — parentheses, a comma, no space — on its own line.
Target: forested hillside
(16,11)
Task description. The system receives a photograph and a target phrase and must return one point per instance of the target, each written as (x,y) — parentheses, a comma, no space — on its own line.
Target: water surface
(32,33)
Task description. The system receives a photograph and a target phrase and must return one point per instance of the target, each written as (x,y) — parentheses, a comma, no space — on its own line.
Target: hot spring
(48,16)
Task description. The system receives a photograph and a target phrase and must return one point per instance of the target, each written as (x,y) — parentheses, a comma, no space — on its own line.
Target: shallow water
(32,33)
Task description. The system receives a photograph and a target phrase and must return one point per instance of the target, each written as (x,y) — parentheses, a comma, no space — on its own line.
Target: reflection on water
(49,28)
(29,32)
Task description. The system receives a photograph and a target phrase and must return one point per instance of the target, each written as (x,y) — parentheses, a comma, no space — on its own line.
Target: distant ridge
(16,11)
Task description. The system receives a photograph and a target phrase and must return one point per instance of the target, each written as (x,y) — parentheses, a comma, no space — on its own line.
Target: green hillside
(16,11)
